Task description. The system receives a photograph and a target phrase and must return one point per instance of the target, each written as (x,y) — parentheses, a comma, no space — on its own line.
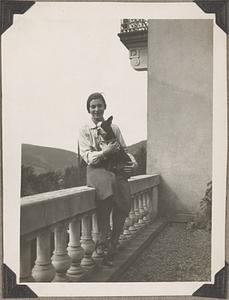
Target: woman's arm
(88,153)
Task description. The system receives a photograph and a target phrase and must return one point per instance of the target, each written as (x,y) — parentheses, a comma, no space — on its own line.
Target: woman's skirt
(107,184)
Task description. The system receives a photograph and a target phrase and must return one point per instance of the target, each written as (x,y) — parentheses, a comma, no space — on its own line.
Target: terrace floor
(161,252)
(176,254)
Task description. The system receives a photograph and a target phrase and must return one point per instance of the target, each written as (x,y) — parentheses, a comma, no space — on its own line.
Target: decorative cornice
(216,290)
(221,10)
(137,43)
(134,39)
(9,8)
(9,287)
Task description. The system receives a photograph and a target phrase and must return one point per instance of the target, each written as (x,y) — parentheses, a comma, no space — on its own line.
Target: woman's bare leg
(103,211)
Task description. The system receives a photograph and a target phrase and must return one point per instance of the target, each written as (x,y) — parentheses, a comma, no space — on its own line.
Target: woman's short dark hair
(94,96)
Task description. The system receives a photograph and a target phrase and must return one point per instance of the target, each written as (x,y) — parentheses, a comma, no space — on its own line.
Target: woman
(112,190)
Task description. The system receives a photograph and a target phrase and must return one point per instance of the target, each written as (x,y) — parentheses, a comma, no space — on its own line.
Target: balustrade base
(98,262)
(88,263)
(60,278)
(126,233)
(147,219)
(138,226)
(27,279)
(133,230)
(77,278)
(97,255)
(43,273)
(75,271)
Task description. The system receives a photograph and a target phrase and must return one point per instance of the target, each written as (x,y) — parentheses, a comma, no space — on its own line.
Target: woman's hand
(111,148)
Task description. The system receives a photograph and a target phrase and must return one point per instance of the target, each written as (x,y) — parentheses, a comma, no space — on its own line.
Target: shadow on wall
(169,203)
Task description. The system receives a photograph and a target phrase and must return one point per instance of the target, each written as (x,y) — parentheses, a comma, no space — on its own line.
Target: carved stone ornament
(136,42)
(9,8)
(10,289)
(138,58)
(220,8)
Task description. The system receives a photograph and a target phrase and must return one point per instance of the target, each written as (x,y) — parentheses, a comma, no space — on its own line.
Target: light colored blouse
(90,143)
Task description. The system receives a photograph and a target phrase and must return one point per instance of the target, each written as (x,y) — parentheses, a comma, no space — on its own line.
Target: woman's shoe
(101,250)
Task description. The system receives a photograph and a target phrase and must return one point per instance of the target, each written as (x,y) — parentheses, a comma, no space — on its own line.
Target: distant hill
(47,159)
(46,169)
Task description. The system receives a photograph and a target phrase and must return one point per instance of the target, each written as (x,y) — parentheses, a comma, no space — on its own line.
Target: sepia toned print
(162,97)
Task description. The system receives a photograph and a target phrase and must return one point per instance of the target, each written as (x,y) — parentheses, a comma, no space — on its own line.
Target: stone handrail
(69,216)
(44,210)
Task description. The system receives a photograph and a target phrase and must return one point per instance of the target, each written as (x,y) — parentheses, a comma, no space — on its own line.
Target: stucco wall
(180,97)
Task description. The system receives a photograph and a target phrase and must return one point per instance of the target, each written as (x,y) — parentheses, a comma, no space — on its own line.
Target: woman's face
(96,109)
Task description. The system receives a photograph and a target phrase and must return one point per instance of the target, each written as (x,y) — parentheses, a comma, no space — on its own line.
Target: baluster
(141,210)
(146,218)
(155,201)
(149,203)
(132,217)
(136,211)
(87,243)
(75,251)
(98,254)
(126,231)
(110,229)
(124,235)
(121,239)
(60,259)
(43,269)
(25,261)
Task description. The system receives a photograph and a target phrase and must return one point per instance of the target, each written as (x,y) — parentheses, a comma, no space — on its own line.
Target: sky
(54,56)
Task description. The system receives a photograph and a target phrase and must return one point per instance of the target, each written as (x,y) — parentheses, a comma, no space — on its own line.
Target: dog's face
(105,127)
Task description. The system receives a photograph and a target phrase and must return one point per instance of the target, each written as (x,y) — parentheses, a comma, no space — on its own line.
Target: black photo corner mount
(9,8)
(221,10)
(10,288)
(216,290)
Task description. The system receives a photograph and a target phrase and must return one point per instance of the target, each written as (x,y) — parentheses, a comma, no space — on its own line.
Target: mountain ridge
(45,159)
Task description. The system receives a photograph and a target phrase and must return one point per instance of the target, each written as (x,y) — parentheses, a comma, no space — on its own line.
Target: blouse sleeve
(87,152)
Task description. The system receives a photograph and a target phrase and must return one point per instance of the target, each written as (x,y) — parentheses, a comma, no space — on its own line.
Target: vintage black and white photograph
(114,148)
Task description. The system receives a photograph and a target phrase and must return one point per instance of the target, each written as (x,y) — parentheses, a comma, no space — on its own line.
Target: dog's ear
(110,119)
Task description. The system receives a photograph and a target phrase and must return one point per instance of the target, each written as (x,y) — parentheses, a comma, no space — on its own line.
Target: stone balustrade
(59,230)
